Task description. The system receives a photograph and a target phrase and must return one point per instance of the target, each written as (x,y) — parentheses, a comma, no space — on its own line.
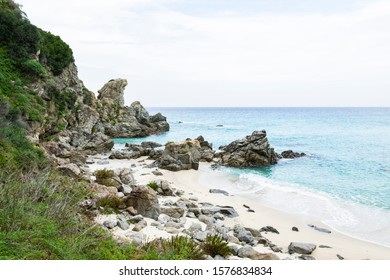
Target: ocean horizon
(344,180)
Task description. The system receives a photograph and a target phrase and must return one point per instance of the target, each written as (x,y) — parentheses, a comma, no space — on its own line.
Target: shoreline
(342,246)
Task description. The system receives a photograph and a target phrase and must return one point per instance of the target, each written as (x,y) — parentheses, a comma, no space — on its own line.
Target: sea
(344,180)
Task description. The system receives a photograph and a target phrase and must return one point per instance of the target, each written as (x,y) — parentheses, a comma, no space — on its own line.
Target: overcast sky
(228,52)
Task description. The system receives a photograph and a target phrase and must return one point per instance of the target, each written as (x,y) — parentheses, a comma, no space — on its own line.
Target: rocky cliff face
(121,121)
(75,120)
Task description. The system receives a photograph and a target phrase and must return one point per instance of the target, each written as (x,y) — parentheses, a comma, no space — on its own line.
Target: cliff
(42,96)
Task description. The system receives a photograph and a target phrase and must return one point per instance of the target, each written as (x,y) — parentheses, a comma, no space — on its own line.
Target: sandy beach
(330,246)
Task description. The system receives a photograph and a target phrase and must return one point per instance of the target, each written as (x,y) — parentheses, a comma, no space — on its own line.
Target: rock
(110,224)
(131,211)
(295,229)
(254,232)
(301,248)
(157,173)
(173,212)
(248,252)
(206,149)
(340,257)
(209,221)
(172,230)
(180,156)
(254,150)
(140,225)
(114,91)
(291,154)
(306,258)
(144,200)
(150,145)
(324,247)
(200,235)
(245,236)
(125,189)
(136,219)
(269,229)
(137,238)
(123,225)
(126,176)
(325,230)
(227,211)
(70,169)
(121,121)
(219,191)
(276,249)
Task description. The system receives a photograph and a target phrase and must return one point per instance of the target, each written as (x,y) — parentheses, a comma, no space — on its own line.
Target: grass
(40,219)
(153,185)
(105,177)
(175,248)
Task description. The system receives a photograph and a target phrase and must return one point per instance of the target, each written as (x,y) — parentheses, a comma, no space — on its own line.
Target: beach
(193,186)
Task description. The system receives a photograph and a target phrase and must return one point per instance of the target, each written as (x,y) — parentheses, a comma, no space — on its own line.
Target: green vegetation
(176,248)
(215,245)
(105,177)
(39,219)
(55,53)
(153,185)
(17,153)
(111,204)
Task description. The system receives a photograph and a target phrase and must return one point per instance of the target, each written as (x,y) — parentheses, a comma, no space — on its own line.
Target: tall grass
(40,219)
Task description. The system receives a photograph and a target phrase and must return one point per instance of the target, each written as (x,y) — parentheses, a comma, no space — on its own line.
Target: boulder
(301,248)
(206,151)
(180,156)
(248,252)
(70,169)
(254,150)
(144,200)
(269,229)
(291,154)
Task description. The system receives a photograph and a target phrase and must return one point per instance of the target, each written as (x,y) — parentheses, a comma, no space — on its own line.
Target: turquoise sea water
(344,180)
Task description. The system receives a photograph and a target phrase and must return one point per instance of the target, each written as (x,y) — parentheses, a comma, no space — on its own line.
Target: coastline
(330,246)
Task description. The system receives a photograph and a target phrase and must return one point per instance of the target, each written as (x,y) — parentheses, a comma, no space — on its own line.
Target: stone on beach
(301,248)
(144,200)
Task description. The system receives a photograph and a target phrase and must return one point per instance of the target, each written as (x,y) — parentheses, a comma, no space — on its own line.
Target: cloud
(173,57)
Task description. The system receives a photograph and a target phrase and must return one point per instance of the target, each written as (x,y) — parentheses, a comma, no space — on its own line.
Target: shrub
(215,245)
(55,52)
(105,177)
(40,219)
(33,67)
(175,248)
(111,203)
(153,185)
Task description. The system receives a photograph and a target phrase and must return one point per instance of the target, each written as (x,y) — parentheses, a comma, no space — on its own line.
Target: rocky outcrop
(144,200)
(206,151)
(254,150)
(180,156)
(121,121)
(291,154)
(78,121)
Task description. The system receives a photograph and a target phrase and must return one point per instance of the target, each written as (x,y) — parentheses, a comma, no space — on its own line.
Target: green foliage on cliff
(23,42)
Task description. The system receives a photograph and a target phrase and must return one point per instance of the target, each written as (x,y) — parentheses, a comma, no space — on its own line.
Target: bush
(40,219)
(111,203)
(33,67)
(17,153)
(105,177)
(153,186)
(215,245)
(55,53)
(175,248)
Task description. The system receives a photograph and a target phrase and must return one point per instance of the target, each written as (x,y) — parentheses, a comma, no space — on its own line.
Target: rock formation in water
(251,151)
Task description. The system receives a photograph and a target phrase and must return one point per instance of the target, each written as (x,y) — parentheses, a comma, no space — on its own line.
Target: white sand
(188,181)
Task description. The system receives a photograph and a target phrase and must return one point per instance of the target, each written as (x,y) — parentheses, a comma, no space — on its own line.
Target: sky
(247,53)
